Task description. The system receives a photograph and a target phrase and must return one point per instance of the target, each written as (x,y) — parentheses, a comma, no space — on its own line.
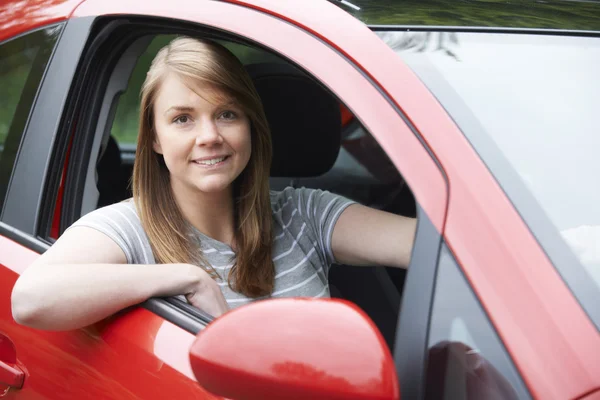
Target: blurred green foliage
(548,14)
(14,69)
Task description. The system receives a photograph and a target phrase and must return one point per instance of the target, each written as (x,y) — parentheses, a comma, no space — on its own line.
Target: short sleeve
(121,224)
(320,210)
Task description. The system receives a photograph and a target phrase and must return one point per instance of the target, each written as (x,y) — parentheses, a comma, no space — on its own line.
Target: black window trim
(410,350)
(445,250)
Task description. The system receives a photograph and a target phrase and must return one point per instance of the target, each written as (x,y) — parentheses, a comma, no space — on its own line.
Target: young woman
(202,222)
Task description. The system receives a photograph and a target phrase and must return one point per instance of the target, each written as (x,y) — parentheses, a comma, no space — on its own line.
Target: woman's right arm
(84,278)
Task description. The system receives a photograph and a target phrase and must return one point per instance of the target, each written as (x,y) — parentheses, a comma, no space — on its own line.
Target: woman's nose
(208,134)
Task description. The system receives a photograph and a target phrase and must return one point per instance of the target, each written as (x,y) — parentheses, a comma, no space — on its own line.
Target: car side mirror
(295,349)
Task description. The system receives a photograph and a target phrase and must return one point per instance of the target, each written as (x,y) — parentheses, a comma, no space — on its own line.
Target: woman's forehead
(176,90)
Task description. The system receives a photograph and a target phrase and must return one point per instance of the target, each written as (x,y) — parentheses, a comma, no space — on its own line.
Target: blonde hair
(203,61)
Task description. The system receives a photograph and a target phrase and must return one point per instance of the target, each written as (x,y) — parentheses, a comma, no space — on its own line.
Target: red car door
(138,354)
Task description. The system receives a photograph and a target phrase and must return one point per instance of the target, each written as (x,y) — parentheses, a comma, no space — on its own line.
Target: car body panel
(21,16)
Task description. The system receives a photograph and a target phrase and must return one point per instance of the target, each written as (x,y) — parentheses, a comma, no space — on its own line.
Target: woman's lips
(212,162)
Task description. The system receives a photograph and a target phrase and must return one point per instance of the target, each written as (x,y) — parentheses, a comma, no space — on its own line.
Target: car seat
(112,185)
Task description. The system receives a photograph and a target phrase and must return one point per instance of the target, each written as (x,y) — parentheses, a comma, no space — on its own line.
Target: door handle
(10,374)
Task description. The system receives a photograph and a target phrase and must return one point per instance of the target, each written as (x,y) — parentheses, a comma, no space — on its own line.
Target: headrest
(304,118)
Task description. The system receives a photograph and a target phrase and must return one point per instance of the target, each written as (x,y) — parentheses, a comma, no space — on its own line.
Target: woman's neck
(210,213)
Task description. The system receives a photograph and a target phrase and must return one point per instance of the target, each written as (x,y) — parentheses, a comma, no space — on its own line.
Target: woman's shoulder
(120,222)
(291,194)
(118,214)
(307,201)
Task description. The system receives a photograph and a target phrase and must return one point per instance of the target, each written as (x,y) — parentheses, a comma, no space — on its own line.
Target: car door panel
(132,355)
(137,354)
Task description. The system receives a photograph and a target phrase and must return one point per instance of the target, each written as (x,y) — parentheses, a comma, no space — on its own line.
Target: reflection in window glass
(466,358)
(15,63)
(529,106)
(23,62)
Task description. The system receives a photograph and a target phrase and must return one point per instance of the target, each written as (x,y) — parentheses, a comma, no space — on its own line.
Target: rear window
(530,106)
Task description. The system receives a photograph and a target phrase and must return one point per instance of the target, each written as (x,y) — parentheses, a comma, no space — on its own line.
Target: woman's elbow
(25,309)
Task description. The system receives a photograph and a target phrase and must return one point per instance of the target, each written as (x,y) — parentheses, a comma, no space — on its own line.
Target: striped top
(303,222)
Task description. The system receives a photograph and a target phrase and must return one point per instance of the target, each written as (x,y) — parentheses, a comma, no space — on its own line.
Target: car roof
(18,16)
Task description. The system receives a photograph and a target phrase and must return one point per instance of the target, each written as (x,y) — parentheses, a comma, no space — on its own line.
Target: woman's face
(205,146)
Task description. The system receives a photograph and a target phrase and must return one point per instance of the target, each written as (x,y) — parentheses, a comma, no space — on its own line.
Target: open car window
(362,170)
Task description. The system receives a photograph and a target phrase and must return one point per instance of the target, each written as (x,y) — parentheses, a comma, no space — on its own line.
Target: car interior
(317,143)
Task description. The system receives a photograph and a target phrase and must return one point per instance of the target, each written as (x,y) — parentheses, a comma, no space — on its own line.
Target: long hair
(203,61)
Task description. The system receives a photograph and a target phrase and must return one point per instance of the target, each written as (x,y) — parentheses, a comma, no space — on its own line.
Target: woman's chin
(213,186)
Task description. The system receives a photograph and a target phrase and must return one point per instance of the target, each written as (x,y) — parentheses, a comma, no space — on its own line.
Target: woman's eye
(228,115)
(182,119)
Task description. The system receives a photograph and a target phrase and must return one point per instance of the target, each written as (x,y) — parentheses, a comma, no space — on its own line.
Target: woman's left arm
(365,236)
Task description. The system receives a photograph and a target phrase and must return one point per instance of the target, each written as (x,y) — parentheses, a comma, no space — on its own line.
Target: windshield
(565,14)
(530,106)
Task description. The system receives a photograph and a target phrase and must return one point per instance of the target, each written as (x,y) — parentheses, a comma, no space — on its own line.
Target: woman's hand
(207,296)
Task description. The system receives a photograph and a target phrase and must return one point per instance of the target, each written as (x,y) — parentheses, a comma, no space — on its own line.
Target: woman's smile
(211,162)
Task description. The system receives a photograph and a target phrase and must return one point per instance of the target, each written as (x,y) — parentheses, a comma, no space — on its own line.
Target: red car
(488,136)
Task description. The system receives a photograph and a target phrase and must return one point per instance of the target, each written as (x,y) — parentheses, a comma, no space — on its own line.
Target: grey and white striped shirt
(303,221)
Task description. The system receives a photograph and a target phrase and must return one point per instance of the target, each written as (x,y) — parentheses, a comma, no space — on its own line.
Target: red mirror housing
(295,349)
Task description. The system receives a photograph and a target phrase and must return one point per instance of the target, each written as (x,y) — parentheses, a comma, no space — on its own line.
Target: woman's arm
(84,278)
(365,236)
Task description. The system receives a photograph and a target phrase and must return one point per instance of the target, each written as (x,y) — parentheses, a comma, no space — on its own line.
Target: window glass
(466,358)
(554,14)
(14,69)
(22,64)
(529,105)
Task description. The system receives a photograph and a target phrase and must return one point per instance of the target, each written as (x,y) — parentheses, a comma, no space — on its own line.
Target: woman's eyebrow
(179,109)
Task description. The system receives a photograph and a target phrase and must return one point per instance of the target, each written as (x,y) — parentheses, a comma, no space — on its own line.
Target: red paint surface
(302,349)
(17,16)
(10,373)
(592,396)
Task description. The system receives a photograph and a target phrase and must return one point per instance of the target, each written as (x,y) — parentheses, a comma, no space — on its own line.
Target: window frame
(69,114)
(410,350)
